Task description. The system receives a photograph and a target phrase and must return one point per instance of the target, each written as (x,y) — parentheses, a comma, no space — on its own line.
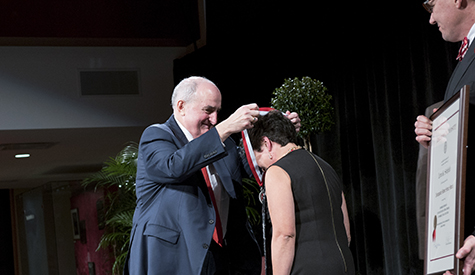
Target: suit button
(211,221)
(205,246)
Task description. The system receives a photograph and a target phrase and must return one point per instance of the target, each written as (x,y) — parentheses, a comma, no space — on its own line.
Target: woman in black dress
(310,228)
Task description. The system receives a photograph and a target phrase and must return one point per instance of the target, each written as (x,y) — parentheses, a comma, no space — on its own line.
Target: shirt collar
(187,133)
(471,35)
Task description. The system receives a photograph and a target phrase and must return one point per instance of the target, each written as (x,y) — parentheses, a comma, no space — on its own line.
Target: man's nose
(213,118)
(431,20)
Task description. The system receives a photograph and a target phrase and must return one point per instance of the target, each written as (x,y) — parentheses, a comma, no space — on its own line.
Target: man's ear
(180,106)
(460,4)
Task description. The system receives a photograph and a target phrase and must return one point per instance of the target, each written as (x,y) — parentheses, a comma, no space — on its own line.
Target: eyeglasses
(429,5)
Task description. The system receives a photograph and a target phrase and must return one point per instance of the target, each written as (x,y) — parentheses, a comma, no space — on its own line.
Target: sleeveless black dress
(321,245)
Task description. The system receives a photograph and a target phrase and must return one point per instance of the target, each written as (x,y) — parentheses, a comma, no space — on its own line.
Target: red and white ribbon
(251,158)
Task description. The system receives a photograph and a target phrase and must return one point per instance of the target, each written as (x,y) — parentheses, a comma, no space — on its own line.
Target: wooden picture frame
(445,201)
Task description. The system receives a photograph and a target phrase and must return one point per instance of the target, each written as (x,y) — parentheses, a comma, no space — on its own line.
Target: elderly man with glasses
(456,22)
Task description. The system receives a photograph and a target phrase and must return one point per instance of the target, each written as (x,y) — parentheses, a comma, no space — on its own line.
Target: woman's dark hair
(274,125)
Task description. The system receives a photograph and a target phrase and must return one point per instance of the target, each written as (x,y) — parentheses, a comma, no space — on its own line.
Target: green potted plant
(117,177)
(309,98)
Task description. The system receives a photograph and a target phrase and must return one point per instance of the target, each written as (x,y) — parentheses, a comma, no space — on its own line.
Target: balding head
(186,89)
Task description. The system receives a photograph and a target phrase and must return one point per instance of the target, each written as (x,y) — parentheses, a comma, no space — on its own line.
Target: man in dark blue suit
(176,229)
(456,22)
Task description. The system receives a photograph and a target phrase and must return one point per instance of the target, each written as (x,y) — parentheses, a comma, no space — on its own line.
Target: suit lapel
(459,72)
(172,126)
(171,123)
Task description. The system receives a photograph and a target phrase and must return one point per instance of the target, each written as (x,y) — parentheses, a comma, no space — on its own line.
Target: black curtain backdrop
(383,64)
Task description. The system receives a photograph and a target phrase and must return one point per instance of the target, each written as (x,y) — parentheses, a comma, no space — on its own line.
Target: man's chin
(205,128)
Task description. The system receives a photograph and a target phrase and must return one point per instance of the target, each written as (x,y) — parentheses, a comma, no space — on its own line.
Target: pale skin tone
(281,211)
(201,113)
(454,18)
(281,206)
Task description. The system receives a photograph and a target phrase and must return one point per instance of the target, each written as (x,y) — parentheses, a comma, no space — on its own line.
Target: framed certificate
(446,185)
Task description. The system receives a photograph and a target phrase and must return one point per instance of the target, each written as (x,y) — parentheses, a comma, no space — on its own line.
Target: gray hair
(186,89)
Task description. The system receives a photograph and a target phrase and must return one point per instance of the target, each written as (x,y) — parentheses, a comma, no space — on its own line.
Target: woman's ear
(267,143)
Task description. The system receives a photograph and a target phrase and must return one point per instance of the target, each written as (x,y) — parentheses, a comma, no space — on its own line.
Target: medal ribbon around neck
(251,158)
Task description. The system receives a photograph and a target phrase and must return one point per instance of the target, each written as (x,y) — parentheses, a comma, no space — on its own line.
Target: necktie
(463,49)
(218,229)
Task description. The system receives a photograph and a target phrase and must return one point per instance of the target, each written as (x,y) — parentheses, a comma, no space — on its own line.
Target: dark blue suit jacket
(464,74)
(174,217)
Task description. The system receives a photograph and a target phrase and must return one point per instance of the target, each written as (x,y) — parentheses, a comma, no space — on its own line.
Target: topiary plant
(307,97)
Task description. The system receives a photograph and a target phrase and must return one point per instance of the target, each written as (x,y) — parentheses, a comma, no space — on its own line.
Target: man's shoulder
(161,126)
(168,127)
(157,130)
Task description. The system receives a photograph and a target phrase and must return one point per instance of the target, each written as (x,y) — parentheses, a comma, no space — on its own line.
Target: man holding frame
(456,22)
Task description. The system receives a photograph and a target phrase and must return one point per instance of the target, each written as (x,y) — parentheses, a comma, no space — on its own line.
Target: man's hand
(242,118)
(294,117)
(467,252)
(423,130)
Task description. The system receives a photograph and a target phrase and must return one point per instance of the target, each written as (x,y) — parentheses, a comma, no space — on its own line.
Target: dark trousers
(216,261)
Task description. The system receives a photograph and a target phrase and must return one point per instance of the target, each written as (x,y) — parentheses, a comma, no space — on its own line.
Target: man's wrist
(222,131)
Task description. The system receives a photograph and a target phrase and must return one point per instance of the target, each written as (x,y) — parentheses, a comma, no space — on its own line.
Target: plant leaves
(309,98)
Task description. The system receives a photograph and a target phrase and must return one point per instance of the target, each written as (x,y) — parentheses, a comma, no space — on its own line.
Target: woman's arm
(346,219)
(281,209)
